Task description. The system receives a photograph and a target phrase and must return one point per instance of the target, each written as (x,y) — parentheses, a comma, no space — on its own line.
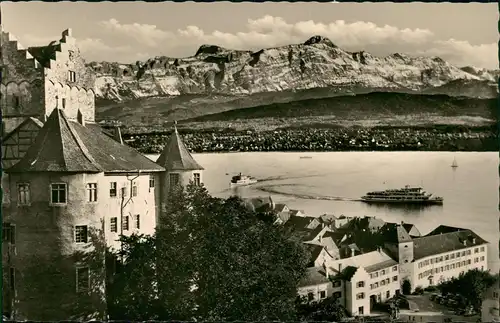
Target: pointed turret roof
(176,156)
(63,145)
(57,148)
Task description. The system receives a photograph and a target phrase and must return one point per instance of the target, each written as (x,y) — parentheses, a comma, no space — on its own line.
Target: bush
(418,291)
(431,289)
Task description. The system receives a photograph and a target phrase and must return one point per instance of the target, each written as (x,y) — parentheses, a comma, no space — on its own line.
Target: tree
(406,287)
(469,286)
(328,309)
(209,259)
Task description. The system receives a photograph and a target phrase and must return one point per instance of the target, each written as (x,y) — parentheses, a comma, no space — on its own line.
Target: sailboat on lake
(454,164)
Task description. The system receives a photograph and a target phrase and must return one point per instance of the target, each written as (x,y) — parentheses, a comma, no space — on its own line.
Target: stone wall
(77,93)
(21,88)
(46,256)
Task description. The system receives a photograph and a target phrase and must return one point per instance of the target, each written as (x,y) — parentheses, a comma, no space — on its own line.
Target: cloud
(148,35)
(130,42)
(462,53)
(270,31)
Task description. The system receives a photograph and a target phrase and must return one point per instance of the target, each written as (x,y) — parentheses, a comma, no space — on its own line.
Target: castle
(68,184)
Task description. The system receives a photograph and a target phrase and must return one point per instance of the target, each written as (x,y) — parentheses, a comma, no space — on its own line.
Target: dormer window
(71,76)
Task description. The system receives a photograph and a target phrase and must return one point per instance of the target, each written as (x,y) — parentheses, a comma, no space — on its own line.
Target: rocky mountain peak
(209,49)
(319,40)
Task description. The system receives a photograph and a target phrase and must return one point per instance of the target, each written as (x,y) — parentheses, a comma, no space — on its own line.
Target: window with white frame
(151,181)
(125,223)
(197,179)
(112,189)
(72,76)
(174,179)
(81,234)
(92,192)
(395,268)
(360,284)
(59,193)
(23,194)
(82,279)
(395,278)
(360,295)
(114,224)
(134,188)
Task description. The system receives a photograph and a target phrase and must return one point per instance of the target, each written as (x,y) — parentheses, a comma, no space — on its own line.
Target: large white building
(359,281)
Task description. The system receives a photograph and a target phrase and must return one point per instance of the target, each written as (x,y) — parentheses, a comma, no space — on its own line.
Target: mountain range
(316,63)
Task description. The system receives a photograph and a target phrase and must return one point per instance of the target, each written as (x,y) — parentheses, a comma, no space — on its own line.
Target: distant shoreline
(439,138)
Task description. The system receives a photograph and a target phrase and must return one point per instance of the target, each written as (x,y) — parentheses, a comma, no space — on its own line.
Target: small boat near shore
(242,180)
(305,157)
(406,195)
(454,164)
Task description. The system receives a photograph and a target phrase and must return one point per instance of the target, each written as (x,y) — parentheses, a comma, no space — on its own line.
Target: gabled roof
(445,242)
(407,226)
(279,207)
(314,250)
(314,276)
(35,121)
(395,233)
(443,229)
(176,156)
(67,146)
(299,222)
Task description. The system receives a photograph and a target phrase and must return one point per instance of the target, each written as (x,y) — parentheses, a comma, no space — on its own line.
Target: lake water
(330,182)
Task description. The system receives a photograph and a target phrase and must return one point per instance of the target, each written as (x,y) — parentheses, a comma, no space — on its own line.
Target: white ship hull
(243,183)
(400,201)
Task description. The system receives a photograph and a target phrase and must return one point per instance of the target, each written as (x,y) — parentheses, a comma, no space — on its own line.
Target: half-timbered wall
(15,145)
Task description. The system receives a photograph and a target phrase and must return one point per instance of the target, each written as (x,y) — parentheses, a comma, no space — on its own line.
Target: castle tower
(73,193)
(400,244)
(180,166)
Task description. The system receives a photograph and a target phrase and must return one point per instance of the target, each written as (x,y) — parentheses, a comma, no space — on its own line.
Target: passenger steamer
(406,195)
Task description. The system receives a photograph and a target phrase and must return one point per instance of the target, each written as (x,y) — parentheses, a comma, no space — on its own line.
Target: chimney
(340,267)
(352,252)
(118,135)
(473,240)
(327,271)
(80,118)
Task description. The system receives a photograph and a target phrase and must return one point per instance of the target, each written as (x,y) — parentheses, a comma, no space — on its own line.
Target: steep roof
(395,233)
(314,276)
(176,156)
(35,121)
(445,242)
(314,250)
(407,226)
(443,229)
(279,207)
(299,222)
(67,146)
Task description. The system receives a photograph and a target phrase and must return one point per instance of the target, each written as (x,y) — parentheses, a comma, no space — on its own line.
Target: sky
(462,33)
